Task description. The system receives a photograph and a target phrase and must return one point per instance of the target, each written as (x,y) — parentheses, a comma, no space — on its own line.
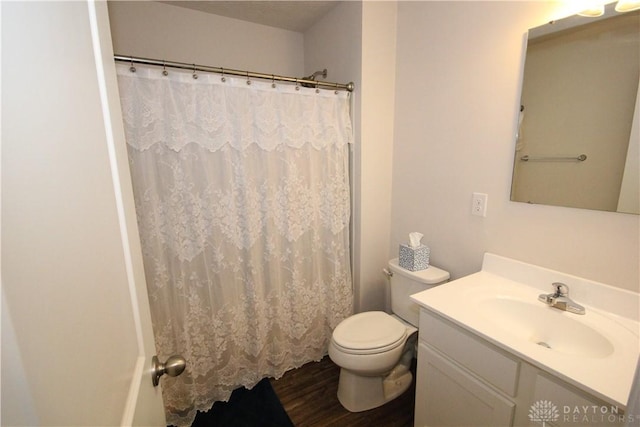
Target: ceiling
(289,15)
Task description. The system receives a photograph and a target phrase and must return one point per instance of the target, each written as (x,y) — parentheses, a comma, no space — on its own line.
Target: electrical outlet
(479,204)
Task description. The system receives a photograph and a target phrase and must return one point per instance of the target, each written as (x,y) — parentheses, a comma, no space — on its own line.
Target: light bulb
(592,12)
(627,5)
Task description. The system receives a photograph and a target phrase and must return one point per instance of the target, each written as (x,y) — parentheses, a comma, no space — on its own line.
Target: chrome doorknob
(173,367)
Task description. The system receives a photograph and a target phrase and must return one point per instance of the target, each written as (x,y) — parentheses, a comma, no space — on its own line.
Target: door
(76,331)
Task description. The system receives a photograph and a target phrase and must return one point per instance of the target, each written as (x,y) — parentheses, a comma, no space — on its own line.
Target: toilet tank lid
(430,276)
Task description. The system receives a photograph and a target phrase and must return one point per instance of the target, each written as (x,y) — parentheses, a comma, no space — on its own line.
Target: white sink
(597,352)
(548,327)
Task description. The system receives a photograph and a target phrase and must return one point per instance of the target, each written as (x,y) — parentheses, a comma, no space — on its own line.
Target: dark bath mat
(258,407)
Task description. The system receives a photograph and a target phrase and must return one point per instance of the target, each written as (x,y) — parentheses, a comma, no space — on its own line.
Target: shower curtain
(242,197)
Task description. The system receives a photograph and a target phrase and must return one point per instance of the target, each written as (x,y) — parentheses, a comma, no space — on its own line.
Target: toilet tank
(405,283)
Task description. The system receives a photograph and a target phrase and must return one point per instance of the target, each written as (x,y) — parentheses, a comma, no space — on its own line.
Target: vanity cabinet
(464,380)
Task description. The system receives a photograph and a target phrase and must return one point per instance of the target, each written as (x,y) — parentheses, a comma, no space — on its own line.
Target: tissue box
(414,259)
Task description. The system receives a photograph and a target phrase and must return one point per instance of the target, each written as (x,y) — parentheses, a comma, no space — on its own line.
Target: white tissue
(414,239)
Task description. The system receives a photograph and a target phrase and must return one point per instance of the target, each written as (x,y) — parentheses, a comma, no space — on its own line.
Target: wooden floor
(308,394)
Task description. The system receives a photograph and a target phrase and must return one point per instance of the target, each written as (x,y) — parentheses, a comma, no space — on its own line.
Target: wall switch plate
(479,204)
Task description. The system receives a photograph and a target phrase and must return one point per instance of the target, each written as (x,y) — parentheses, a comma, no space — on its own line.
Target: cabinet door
(447,395)
(560,404)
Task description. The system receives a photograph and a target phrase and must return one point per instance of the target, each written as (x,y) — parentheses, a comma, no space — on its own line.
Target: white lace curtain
(242,198)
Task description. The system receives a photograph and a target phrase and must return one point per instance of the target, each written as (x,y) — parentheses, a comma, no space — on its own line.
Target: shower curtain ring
(132,68)
(273,81)
(223,78)
(297,84)
(248,79)
(194,75)
(164,69)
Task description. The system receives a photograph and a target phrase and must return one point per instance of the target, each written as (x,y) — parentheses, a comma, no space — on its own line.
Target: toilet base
(359,393)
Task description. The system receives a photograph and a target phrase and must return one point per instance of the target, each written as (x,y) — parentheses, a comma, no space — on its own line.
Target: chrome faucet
(560,299)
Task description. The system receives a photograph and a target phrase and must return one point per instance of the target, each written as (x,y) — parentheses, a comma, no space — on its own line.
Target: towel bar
(528,158)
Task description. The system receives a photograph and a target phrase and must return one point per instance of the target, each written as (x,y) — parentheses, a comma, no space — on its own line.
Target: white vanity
(492,354)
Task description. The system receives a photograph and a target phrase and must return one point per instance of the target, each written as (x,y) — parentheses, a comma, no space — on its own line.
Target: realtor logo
(543,411)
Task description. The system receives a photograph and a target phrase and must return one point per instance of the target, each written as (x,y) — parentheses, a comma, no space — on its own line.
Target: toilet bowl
(374,349)
(369,343)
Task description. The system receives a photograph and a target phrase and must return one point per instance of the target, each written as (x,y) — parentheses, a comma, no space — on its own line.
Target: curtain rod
(249,74)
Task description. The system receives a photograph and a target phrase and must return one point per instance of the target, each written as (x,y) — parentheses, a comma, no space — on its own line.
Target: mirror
(577,142)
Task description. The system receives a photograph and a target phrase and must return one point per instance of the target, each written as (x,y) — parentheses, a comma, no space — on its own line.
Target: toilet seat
(369,333)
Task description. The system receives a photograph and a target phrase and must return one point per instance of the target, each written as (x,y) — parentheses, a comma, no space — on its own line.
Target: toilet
(374,349)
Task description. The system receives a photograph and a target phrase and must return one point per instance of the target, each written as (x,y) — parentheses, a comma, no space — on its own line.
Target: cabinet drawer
(483,359)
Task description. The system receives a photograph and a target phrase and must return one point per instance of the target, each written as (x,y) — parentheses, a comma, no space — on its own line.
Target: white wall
(378,103)
(458,77)
(335,43)
(356,41)
(161,31)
